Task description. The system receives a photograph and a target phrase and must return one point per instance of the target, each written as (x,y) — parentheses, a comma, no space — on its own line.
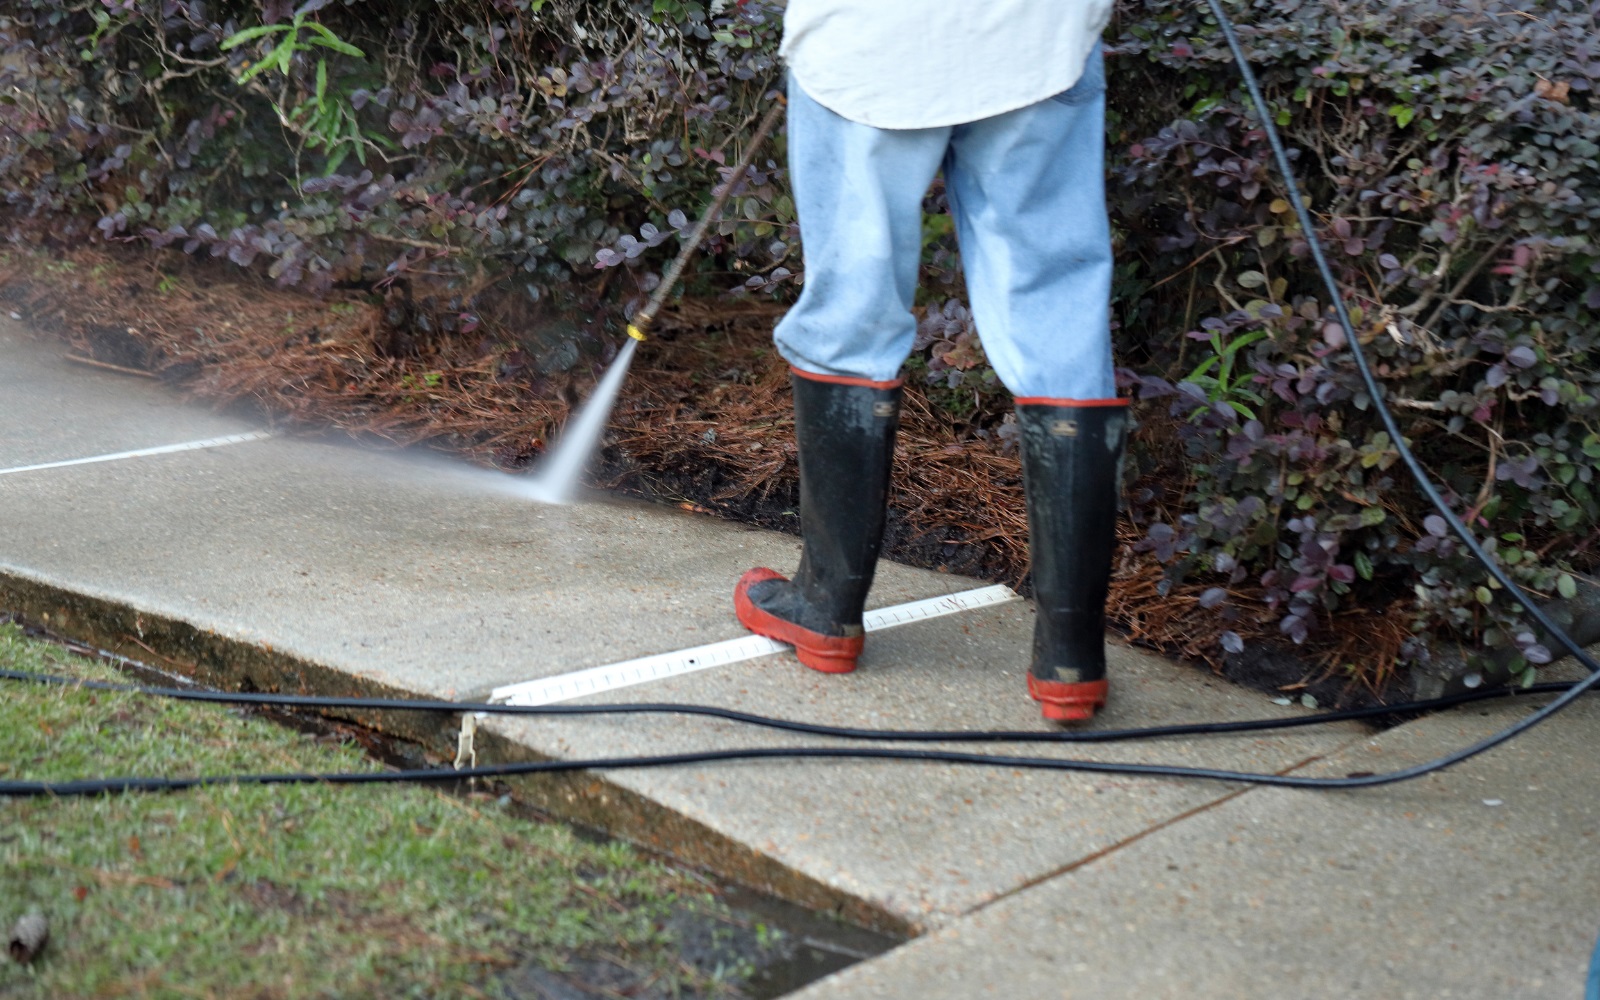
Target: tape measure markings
(597,680)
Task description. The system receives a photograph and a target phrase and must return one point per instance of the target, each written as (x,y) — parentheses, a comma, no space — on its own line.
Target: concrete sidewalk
(287,564)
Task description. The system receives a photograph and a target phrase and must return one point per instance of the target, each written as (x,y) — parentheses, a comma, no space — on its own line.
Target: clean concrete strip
(597,680)
(166,449)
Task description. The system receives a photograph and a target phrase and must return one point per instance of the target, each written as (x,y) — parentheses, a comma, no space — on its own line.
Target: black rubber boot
(1071,453)
(845,429)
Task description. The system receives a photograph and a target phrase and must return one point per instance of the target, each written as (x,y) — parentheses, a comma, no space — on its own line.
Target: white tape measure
(595,680)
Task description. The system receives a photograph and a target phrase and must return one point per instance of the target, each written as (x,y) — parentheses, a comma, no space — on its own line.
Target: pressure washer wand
(557,476)
(639,327)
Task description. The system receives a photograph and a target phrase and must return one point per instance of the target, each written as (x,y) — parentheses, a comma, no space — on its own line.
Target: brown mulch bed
(704,423)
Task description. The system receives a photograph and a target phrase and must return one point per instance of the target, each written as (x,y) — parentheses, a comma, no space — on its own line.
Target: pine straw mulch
(704,422)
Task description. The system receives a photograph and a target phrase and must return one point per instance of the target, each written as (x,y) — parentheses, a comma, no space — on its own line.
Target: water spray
(556,479)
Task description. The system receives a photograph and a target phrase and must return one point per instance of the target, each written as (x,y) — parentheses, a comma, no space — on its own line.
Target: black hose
(794,725)
(1569,693)
(98,786)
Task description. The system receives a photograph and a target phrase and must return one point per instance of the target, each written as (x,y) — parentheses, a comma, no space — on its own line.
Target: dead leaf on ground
(1557,91)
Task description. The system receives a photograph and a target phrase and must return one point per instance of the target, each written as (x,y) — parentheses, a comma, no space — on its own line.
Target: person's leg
(1027,190)
(1028,193)
(858,191)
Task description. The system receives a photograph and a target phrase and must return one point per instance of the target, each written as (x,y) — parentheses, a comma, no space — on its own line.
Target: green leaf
(278,58)
(1372,516)
(353,140)
(1566,586)
(1242,341)
(1485,596)
(1402,115)
(238,38)
(1363,566)
(328,39)
(1251,279)
(1199,373)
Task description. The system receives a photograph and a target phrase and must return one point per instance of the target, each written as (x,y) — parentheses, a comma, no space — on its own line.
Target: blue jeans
(1592,990)
(1027,191)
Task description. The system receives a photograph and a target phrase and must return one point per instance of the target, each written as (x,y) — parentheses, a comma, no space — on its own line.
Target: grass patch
(296,891)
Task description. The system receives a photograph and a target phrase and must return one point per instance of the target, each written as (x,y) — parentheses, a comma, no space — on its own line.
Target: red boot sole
(828,654)
(1061,701)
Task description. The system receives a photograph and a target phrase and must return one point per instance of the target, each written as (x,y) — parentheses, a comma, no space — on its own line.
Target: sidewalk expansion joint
(1113,848)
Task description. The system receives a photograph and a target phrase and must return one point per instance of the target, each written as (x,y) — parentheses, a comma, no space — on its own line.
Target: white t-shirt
(930,63)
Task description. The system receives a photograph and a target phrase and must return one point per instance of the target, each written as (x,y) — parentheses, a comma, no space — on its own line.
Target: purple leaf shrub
(1452,172)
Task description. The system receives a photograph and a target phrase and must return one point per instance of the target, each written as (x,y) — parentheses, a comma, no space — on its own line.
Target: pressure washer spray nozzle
(636,332)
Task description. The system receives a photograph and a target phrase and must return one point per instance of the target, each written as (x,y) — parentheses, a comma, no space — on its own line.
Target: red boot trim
(1052,401)
(865,383)
(830,654)
(1063,701)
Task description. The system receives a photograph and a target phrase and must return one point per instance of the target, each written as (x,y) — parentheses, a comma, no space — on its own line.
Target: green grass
(295,891)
